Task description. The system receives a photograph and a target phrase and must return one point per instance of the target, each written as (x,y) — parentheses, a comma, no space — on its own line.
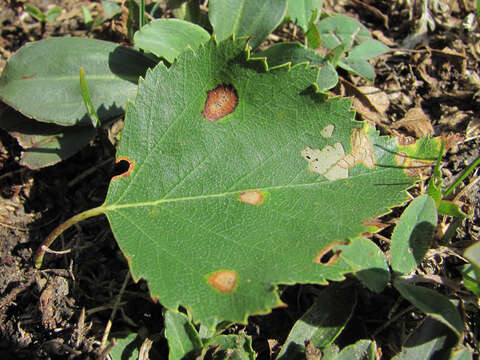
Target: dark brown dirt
(41,311)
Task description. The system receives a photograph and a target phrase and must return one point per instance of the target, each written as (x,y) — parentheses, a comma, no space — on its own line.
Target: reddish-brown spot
(252,197)
(220,102)
(327,256)
(131,166)
(28,77)
(224,280)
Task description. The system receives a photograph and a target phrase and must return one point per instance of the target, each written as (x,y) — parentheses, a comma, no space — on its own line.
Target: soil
(427,85)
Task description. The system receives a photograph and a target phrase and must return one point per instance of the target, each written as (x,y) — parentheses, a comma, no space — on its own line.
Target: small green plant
(111,10)
(242,174)
(49,16)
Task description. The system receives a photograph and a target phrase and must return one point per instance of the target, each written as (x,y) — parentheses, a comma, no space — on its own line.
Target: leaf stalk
(40,253)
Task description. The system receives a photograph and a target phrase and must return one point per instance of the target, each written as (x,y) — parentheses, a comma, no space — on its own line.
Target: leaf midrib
(163,200)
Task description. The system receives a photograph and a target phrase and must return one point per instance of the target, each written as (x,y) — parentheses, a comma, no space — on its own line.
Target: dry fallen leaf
(416,122)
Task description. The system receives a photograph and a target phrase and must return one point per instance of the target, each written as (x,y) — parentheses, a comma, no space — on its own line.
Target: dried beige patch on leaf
(327,131)
(325,161)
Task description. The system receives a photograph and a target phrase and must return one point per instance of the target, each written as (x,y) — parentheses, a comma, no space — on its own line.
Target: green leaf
(472,253)
(232,347)
(322,322)
(312,35)
(289,52)
(53,13)
(35,12)
(168,38)
(87,100)
(432,340)
(361,350)
(367,262)
(302,11)
(431,303)
(341,30)
(413,234)
(182,337)
(358,67)
(327,77)
(449,208)
(296,53)
(41,79)
(246,18)
(111,9)
(462,354)
(230,207)
(87,16)
(44,144)
(367,50)
(471,279)
(126,348)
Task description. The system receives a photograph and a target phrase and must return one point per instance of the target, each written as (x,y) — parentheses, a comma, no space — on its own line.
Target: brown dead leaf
(368,101)
(415,121)
(454,118)
(473,129)
(422,68)
(374,12)
(312,353)
(457,60)
(380,36)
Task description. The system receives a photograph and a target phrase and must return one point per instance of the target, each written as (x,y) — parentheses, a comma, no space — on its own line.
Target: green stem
(38,258)
(141,14)
(87,99)
(467,172)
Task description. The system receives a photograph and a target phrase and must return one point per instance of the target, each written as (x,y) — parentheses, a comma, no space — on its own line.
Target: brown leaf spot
(362,151)
(327,256)
(131,166)
(224,280)
(252,197)
(220,102)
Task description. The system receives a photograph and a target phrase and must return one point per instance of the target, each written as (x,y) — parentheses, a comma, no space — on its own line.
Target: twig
(392,320)
(115,308)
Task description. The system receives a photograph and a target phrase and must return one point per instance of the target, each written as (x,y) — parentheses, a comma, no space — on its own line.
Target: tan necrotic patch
(325,161)
(224,281)
(362,151)
(220,102)
(327,131)
(252,197)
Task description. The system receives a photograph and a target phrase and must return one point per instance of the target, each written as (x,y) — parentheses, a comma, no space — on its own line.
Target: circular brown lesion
(221,101)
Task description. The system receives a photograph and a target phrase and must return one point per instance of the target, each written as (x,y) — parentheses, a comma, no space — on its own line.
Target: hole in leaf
(224,280)
(220,102)
(328,256)
(123,167)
